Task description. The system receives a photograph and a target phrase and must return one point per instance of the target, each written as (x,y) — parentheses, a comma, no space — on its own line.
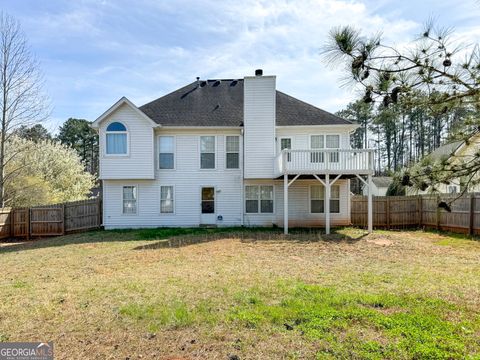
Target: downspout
(242,207)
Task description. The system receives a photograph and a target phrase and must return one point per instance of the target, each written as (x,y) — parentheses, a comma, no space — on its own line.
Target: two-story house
(227,153)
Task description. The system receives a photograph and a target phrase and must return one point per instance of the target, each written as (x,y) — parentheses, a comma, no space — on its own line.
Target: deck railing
(331,161)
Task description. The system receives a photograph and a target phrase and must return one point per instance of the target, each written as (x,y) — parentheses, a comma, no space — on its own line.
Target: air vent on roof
(216,83)
(234,82)
(203,83)
(258,72)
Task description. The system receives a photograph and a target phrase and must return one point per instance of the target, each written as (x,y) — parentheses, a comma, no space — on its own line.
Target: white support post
(285,204)
(327,204)
(370,205)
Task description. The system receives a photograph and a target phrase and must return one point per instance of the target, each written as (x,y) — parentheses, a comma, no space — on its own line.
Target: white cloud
(96,52)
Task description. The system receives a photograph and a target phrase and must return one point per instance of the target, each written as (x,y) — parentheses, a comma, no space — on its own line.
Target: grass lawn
(217,294)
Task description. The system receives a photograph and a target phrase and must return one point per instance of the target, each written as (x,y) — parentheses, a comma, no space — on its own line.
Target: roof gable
(220,103)
(116,106)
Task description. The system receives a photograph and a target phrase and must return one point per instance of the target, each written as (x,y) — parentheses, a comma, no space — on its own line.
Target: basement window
(259,199)
(317,199)
(166,200)
(129,200)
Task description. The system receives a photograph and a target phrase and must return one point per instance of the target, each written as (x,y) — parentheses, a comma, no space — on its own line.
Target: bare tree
(22,100)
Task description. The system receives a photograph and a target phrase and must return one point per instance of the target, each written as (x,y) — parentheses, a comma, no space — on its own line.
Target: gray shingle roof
(382,181)
(220,103)
(445,151)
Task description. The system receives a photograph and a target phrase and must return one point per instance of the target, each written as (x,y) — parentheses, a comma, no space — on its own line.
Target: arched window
(116,139)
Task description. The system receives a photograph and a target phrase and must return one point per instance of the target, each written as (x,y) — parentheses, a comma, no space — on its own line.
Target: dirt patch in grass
(254,294)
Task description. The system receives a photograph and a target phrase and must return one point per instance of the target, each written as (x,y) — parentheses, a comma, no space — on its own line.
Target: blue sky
(92,52)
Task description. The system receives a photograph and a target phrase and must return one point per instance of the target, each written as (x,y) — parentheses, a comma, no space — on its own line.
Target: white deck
(341,161)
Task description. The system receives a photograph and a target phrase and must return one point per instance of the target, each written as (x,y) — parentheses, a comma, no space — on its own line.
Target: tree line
(403,135)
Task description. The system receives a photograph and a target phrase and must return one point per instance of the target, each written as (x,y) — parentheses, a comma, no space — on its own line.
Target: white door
(207,216)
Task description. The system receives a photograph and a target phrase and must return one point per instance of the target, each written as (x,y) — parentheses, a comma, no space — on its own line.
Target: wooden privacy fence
(396,212)
(50,220)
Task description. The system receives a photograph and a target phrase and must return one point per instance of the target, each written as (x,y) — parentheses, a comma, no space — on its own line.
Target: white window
(166,200)
(320,142)
(259,199)
(333,142)
(232,147)
(317,199)
(207,152)
(335,199)
(452,189)
(317,143)
(251,199)
(129,199)
(116,139)
(166,156)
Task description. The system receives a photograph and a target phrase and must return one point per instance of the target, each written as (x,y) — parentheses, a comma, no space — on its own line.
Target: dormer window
(116,139)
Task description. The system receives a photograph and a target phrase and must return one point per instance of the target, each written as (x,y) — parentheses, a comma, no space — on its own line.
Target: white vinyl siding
(187,179)
(207,152)
(232,152)
(259,199)
(259,125)
(167,200)
(228,199)
(129,200)
(299,213)
(139,162)
(166,154)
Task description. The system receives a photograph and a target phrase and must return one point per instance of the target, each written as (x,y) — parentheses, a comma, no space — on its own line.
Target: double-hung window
(166,200)
(207,152)
(116,139)
(232,152)
(129,199)
(166,156)
(335,199)
(259,199)
(317,199)
(333,142)
(317,144)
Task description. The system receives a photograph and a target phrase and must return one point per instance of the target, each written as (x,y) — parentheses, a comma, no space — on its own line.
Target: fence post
(472,214)
(388,212)
(63,218)
(420,211)
(99,211)
(438,212)
(12,223)
(27,222)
